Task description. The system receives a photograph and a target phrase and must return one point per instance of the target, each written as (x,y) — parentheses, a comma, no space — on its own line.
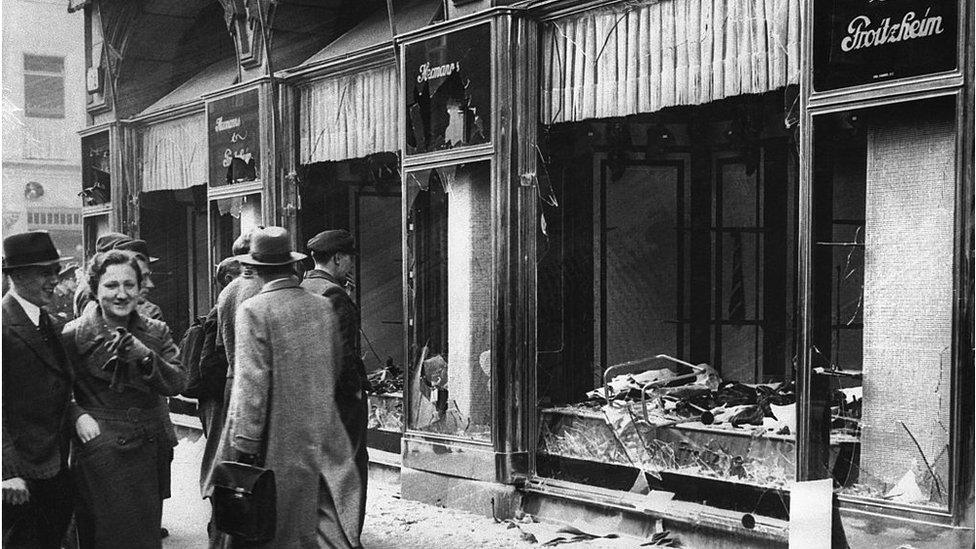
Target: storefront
(651,303)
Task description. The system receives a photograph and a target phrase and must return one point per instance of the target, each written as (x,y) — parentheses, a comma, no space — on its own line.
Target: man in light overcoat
(289,340)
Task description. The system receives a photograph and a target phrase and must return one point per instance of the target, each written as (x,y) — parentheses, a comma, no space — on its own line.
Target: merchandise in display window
(449,236)
(666,308)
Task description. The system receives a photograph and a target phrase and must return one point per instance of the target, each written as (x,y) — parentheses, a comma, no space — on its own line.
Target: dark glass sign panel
(233,133)
(863,41)
(448,90)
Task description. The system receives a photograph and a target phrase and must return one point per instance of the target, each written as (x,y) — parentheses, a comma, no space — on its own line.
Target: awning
(174,153)
(349,116)
(639,58)
(356,113)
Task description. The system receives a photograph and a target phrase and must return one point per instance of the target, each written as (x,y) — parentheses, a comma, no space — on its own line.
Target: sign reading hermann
(864,41)
(233,133)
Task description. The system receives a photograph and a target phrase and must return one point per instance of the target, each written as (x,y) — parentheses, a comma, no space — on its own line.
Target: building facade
(43,106)
(685,265)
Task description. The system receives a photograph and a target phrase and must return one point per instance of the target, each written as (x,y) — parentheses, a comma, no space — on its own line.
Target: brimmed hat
(30,249)
(69,270)
(137,247)
(330,242)
(270,246)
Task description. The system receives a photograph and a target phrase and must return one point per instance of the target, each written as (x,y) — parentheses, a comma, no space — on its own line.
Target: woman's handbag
(244,501)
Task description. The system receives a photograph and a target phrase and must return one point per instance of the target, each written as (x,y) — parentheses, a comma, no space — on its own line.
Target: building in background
(42,111)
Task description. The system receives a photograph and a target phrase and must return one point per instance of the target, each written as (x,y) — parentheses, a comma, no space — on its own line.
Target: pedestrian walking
(334,255)
(212,366)
(230,298)
(288,339)
(124,365)
(37,490)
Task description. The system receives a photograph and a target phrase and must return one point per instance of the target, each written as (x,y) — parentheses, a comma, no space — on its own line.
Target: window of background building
(43,86)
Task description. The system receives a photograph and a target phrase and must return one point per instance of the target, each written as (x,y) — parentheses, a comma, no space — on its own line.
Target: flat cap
(138,247)
(330,242)
(109,241)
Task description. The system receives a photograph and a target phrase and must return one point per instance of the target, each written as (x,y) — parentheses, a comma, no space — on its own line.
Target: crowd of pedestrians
(274,366)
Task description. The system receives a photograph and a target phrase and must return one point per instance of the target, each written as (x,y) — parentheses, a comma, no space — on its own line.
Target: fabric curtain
(174,154)
(639,58)
(349,116)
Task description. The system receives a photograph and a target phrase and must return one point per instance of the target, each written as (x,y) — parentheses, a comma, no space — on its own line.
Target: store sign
(233,133)
(864,41)
(448,90)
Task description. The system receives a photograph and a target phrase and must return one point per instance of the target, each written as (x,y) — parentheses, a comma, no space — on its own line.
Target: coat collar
(280,284)
(319,273)
(16,320)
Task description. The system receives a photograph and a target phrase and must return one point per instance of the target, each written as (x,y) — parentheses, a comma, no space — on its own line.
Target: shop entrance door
(174,226)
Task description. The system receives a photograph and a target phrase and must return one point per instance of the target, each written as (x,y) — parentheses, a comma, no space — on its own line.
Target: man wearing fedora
(334,255)
(289,339)
(37,492)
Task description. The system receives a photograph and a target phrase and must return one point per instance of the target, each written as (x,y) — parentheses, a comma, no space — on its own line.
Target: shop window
(96,175)
(229,218)
(449,239)
(364,196)
(43,86)
(884,210)
(667,303)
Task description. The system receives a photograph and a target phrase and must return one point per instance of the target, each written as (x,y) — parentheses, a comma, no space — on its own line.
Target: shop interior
(363,196)
(667,302)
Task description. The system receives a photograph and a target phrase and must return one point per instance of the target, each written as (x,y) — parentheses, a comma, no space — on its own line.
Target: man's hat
(137,247)
(68,270)
(109,241)
(270,246)
(29,249)
(329,242)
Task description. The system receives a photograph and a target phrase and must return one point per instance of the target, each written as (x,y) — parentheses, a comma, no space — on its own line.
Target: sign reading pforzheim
(865,41)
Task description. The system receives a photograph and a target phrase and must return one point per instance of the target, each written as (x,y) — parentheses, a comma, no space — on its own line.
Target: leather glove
(130,349)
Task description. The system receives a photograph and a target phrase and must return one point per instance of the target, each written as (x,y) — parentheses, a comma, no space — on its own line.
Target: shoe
(163,533)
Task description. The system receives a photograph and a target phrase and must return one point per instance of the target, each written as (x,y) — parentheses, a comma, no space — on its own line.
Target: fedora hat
(270,246)
(29,249)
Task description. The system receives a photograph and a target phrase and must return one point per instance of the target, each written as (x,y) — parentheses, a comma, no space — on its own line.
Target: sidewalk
(391,523)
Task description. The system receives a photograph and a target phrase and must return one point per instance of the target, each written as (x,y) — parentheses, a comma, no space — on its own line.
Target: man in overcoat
(289,340)
(334,255)
(37,491)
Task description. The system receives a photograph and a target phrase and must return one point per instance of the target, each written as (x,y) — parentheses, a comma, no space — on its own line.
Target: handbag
(244,501)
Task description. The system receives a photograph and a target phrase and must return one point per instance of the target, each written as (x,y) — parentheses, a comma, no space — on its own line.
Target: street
(391,522)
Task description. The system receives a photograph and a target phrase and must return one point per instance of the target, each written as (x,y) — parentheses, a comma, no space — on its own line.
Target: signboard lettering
(234,133)
(863,41)
(448,100)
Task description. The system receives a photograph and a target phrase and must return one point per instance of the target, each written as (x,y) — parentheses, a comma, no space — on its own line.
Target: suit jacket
(288,340)
(36,396)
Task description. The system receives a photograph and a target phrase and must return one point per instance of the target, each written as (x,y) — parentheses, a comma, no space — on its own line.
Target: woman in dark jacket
(124,365)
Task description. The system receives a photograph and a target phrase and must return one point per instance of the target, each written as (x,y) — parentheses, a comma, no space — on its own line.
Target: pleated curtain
(349,116)
(639,58)
(174,154)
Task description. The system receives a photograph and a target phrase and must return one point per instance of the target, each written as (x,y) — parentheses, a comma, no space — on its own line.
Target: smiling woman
(124,364)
